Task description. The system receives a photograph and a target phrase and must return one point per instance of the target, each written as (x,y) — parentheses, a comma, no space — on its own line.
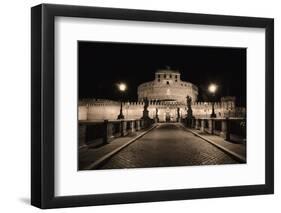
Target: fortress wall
(103,112)
(133,110)
(167,93)
(82,112)
(161,90)
(98,110)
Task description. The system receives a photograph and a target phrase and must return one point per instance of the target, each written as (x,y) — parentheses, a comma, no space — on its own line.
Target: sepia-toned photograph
(160,105)
(134,105)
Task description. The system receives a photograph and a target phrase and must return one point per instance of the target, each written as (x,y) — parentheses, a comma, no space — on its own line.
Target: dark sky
(103,64)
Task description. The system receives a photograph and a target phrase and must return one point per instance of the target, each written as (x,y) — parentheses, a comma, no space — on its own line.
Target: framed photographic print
(140,106)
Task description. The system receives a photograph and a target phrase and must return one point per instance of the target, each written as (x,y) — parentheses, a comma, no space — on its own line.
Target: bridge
(133,144)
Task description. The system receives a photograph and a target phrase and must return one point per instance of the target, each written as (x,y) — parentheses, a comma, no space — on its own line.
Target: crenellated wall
(96,109)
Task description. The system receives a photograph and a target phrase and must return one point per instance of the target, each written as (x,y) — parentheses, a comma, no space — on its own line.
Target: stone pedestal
(138,125)
(188,122)
(192,123)
(225,129)
(155,120)
(145,114)
(148,123)
(132,126)
(211,126)
(105,131)
(197,124)
(123,128)
(202,128)
(141,123)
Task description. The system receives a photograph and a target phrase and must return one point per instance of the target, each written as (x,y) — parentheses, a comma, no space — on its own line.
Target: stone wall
(163,91)
(167,85)
(109,110)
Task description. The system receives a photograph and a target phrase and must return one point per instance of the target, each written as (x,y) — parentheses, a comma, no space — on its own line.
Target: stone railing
(102,132)
(231,129)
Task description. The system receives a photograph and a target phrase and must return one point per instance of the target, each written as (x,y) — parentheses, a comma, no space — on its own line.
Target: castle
(166,96)
(167,86)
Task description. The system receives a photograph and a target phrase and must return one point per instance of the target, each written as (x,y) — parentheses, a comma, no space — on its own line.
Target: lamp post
(122,88)
(212,89)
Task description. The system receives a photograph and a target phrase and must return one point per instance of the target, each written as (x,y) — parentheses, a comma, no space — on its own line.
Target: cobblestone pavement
(168,145)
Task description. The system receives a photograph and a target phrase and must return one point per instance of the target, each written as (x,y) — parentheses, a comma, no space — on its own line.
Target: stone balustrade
(102,132)
(224,127)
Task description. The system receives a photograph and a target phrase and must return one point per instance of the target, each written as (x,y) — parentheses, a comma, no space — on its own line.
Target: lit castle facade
(167,101)
(167,86)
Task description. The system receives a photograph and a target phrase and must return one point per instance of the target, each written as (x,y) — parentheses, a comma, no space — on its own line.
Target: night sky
(103,64)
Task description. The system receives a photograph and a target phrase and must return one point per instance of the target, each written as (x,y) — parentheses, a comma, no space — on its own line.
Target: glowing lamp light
(212,88)
(122,87)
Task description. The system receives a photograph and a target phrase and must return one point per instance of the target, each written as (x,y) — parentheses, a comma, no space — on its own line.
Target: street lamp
(212,89)
(122,88)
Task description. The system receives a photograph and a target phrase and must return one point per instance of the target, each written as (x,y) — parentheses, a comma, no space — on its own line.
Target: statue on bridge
(178,115)
(189,115)
(156,116)
(145,115)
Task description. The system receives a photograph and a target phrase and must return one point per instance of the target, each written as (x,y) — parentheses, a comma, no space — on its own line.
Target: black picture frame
(43,117)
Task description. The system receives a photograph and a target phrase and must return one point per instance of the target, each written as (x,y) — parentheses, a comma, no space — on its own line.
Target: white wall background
(15,105)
